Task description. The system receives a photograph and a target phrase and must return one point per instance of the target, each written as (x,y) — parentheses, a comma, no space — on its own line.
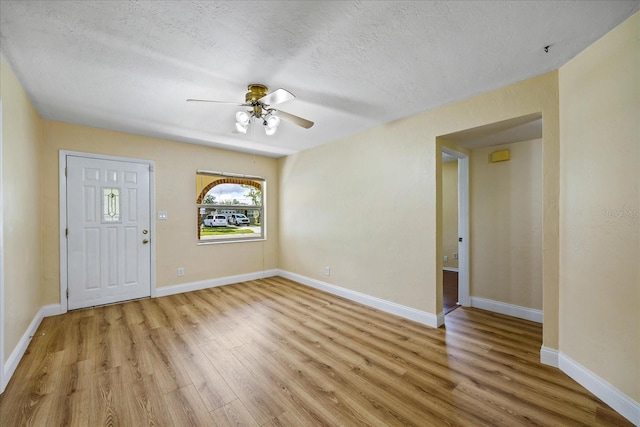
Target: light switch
(163,215)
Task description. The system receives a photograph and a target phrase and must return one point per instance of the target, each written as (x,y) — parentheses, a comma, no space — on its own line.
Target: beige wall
(600,208)
(450,213)
(353,190)
(21,207)
(506,225)
(175,183)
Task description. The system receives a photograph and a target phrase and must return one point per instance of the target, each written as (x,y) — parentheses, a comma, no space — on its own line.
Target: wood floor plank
(145,403)
(211,386)
(272,352)
(107,405)
(195,330)
(233,414)
(260,404)
(299,403)
(187,409)
(168,370)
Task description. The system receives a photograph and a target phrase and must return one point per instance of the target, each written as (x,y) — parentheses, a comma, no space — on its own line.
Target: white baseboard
(51,310)
(419,316)
(620,402)
(16,355)
(440,319)
(549,356)
(450,269)
(507,309)
(212,283)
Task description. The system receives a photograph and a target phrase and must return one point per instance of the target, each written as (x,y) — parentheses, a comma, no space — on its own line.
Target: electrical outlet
(180,272)
(455,256)
(446,258)
(327,271)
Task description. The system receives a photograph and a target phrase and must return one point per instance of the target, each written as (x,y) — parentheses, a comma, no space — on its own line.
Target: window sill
(234,240)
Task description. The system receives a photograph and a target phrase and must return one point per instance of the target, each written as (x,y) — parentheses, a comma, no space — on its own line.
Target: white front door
(108,224)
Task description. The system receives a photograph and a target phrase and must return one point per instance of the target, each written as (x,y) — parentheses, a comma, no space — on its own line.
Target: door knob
(145,231)
(145,241)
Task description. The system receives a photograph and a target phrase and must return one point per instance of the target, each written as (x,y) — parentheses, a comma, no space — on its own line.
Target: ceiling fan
(260,101)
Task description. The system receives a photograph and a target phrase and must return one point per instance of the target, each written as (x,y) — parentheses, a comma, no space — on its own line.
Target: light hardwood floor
(275,353)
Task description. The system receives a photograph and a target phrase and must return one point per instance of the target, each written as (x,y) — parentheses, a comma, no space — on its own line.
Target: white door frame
(62,163)
(2,372)
(463,225)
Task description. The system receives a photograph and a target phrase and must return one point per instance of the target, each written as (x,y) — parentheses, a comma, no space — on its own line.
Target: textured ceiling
(353,65)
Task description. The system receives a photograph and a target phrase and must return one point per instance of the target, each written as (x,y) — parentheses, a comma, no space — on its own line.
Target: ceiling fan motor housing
(256,91)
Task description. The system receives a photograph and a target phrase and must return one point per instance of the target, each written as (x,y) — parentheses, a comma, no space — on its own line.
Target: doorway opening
(506,247)
(455,227)
(2,371)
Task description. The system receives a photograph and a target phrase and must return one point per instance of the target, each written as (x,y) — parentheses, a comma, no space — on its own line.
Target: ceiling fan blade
(219,102)
(278,96)
(295,119)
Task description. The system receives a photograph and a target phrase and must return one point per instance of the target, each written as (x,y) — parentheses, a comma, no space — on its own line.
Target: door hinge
(65,171)
(66,232)
(67,293)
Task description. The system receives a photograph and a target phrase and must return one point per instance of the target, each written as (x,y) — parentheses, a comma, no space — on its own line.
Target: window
(230,207)
(110,205)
